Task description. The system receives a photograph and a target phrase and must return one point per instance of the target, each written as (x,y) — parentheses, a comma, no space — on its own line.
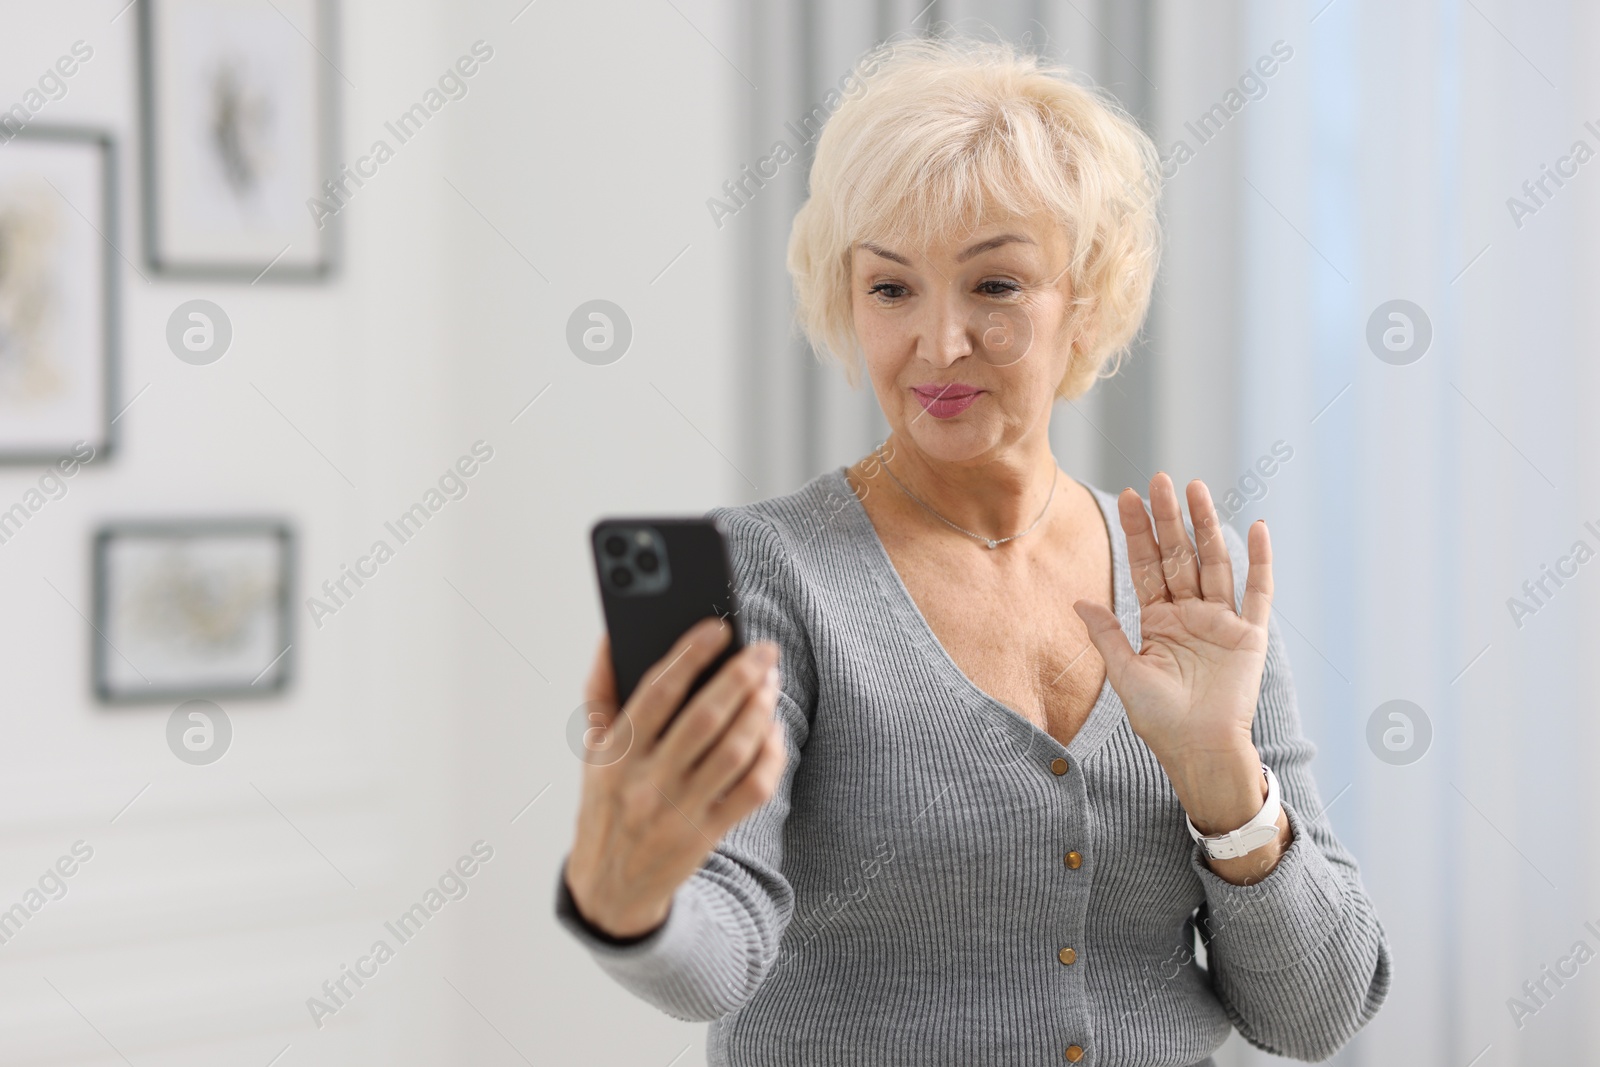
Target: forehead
(1026,235)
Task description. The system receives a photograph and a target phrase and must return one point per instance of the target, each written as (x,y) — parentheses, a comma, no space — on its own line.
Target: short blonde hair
(949,129)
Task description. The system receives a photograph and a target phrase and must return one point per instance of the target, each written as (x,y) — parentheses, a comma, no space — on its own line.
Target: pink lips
(948,400)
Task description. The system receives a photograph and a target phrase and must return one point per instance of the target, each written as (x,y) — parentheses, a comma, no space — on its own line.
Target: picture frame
(185,609)
(59,296)
(238,108)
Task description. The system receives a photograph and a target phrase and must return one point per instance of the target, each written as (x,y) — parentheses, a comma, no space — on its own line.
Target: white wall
(595,154)
(414,726)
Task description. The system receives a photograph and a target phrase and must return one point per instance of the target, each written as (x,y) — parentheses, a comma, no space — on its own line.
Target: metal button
(1067,956)
(1059,765)
(1074,1053)
(1074,860)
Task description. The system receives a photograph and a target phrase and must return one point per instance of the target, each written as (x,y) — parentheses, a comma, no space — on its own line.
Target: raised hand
(1191,689)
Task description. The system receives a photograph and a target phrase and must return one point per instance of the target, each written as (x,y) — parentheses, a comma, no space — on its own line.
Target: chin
(958,440)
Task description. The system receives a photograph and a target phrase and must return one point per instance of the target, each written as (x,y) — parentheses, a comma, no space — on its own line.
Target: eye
(999,287)
(888,291)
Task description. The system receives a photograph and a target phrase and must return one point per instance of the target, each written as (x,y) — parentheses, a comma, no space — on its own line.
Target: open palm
(1191,689)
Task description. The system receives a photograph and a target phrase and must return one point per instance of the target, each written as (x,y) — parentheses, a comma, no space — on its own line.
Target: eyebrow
(977,249)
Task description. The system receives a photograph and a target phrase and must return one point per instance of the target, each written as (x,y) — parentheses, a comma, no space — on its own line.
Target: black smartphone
(658,577)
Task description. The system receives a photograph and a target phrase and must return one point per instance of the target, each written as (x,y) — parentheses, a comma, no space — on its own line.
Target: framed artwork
(238,110)
(192,609)
(58,292)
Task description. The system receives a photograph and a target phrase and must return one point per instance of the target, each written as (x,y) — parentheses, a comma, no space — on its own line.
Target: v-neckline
(1107,711)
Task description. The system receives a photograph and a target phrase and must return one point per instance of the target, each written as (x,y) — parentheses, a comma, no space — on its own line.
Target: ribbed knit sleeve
(1299,959)
(721,935)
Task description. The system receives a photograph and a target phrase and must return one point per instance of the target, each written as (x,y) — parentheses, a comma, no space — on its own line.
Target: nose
(946,336)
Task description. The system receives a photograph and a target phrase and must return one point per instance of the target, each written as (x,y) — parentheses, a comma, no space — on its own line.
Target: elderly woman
(1005,776)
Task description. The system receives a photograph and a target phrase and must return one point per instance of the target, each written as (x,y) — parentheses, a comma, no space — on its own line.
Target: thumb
(600,707)
(603,745)
(1106,634)
(600,690)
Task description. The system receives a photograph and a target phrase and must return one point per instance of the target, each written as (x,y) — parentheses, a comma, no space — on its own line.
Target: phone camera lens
(615,545)
(621,577)
(646,561)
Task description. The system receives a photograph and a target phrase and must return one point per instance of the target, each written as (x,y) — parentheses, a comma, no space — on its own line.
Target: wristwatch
(1249,837)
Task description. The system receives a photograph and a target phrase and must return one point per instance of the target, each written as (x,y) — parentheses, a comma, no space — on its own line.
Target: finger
(601,687)
(1144,556)
(755,788)
(1216,566)
(1109,640)
(661,691)
(690,736)
(600,714)
(601,742)
(1258,580)
(1178,561)
(734,752)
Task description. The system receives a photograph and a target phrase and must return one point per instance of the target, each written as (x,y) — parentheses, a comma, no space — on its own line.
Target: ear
(1086,329)
(1083,329)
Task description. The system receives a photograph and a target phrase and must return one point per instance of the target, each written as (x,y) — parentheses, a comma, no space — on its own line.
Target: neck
(996,497)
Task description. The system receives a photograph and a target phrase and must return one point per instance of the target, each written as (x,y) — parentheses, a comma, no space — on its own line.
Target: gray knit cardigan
(939,881)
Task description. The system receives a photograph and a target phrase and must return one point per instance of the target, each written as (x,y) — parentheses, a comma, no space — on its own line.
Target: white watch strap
(1249,837)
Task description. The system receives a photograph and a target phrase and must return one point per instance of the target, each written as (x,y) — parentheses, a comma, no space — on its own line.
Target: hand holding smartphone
(700,707)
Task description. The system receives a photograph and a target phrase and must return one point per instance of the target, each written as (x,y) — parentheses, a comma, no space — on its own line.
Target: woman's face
(964,340)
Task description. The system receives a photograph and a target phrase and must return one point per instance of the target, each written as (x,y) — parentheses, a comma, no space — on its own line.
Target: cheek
(1024,393)
(1043,355)
(884,344)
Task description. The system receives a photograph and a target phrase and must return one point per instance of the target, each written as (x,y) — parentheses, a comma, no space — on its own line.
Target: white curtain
(1421,492)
